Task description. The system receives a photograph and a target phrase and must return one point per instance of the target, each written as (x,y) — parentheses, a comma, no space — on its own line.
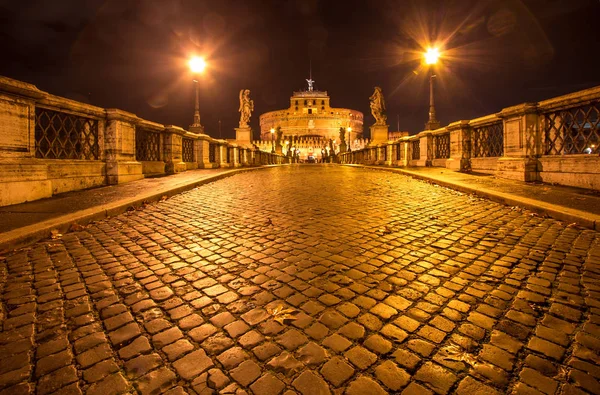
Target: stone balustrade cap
(485,120)
(175,129)
(192,135)
(157,127)
(63,104)
(458,124)
(20,88)
(520,109)
(120,115)
(571,100)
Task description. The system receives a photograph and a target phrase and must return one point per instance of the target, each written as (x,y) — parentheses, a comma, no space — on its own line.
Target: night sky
(132,55)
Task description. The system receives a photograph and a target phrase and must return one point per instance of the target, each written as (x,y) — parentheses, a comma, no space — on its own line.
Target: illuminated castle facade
(310,123)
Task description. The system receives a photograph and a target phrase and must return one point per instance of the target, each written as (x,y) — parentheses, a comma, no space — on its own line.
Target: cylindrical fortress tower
(310,120)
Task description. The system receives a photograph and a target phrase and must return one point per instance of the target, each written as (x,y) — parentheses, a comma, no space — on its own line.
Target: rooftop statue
(310,84)
(246,107)
(378,107)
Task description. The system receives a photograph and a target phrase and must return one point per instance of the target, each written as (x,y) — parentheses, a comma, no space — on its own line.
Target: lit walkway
(308,279)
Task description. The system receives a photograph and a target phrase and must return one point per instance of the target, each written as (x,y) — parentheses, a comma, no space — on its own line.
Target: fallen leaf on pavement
(282,314)
(76,227)
(454,352)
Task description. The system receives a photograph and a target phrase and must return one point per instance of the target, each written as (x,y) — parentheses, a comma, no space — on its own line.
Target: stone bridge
(297,279)
(306,279)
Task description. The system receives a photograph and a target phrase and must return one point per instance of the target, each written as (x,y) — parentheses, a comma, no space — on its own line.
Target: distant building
(309,123)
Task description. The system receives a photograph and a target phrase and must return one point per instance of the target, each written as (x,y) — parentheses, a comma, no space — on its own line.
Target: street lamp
(272,141)
(431,57)
(197,66)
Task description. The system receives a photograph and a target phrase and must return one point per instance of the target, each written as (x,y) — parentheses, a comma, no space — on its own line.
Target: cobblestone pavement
(307,280)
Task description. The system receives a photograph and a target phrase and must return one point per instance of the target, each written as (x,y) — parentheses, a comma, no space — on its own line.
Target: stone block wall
(554,141)
(50,145)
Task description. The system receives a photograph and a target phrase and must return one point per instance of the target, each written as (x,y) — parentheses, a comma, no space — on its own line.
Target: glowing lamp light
(197,64)
(272,130)
(349,129)
(432,55)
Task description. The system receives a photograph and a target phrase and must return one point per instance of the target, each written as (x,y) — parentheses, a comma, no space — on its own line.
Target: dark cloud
(131,54)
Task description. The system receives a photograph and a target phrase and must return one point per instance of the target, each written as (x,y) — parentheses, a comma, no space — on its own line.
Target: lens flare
(197,64)
(432,55)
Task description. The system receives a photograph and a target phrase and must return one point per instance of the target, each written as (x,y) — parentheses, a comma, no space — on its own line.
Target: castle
(309,124)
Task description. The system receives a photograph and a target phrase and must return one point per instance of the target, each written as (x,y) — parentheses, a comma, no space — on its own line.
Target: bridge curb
(583,218)
(26,235)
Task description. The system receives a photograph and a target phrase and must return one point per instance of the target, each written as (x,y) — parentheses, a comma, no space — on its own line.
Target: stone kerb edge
(21,237)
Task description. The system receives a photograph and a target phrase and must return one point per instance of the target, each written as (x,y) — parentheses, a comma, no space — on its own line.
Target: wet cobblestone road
(306,280)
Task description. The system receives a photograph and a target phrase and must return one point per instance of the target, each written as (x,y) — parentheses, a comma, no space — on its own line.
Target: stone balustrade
(50,145)
(555,141)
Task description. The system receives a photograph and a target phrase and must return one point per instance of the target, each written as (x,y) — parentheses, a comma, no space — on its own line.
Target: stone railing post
(204,152)
(389,151)
(404,153)
(426,148)
(172,149)
(235,159)
(222,160)
(460,146)
(119,147)
(22,177)
(522,143)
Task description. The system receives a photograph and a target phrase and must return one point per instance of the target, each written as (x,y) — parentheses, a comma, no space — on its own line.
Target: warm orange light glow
(432,55)
(272,130)
(349,129)
(197,64)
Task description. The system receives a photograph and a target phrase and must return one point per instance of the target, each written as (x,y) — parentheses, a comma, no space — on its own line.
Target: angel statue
(378,107)
(246,107)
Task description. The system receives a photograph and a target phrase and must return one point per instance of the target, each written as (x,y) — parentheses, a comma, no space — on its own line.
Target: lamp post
(431,57)
(272,141)
(197,66)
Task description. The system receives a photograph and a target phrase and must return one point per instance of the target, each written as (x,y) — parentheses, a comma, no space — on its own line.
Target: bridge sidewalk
(24,223)
(572,205)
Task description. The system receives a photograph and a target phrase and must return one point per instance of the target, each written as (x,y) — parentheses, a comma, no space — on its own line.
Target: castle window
(296,108)
(322,107)
(296,102)
(305,102)
(323,102)
(310,110)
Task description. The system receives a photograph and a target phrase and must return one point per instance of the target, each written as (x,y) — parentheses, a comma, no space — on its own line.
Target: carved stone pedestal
(243,136)
(379,134)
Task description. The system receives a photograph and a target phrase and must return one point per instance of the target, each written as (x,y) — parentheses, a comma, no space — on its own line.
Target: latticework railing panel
(442,146)
(488,141)
(416,149)
(147,145)
(572,131)
(65,136)
(212,153)
(187,150)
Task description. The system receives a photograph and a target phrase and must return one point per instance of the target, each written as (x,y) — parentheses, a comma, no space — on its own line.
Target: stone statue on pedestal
(342,135)
(378,107)
(278,136)
(342,145)
(246,107)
